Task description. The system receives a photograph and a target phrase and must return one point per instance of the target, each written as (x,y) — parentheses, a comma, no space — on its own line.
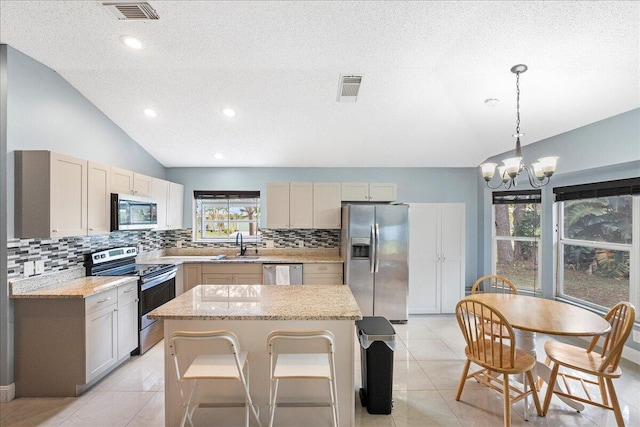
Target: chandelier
(539,173)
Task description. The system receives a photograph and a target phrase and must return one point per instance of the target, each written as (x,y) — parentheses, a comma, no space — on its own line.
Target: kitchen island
(252,312)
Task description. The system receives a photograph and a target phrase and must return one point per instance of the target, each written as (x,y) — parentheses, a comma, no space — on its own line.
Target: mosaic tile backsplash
(65,253)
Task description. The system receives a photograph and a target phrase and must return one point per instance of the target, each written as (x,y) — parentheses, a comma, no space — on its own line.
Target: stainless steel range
(156,286)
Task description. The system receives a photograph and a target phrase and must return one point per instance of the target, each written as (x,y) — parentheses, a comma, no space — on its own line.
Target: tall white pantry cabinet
(436,257)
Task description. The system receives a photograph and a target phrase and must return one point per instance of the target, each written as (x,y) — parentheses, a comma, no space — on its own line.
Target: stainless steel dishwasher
(269,273)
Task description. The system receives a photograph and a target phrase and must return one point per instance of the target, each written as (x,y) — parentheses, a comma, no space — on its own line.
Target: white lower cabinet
(102,340)
(127,319)
(436,257)
(226,274)
(322,274)
(65,345)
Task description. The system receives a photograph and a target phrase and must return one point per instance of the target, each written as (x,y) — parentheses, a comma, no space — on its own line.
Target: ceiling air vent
(126,11)
(348,88)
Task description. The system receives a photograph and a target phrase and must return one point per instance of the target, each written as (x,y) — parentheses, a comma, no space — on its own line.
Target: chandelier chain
(518,104)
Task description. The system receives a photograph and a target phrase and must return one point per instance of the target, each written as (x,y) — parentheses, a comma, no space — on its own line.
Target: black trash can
(377,344)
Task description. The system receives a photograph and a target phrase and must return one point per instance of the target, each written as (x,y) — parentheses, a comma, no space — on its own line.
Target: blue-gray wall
(415,185)
(46,113)
(602,151)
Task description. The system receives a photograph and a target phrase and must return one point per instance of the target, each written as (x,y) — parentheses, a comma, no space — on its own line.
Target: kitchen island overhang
(252,312)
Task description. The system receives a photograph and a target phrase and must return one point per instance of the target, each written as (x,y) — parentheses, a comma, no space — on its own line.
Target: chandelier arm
(496,187)
(533,181)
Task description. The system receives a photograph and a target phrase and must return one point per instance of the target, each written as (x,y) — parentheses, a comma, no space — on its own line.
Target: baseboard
(7,392)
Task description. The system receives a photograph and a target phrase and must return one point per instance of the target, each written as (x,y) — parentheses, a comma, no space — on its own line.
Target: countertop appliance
(375,246)
(156,286)
(133,212)
(271,275)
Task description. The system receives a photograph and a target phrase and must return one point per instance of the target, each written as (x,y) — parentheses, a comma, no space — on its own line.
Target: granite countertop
(262,302)
(265,256)
(76,288)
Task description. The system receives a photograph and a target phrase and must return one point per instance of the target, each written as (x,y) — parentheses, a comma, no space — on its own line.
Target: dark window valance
(516,197)
(225,195)
(620,187)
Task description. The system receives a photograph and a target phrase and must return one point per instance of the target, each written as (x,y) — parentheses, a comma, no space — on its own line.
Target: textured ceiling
(427,66)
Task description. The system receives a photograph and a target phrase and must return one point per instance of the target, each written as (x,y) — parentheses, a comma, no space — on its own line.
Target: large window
(222,215)
(598,242)
(516,236)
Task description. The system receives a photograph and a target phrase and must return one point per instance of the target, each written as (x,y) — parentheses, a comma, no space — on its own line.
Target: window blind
(201,195)
(516,197)
(620,187)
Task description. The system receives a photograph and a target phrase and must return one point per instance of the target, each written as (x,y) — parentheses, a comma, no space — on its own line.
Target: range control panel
(114,254)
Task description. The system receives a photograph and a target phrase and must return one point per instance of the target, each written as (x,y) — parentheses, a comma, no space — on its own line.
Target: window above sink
(220,215)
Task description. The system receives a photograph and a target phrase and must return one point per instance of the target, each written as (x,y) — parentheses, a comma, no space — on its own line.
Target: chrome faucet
(243,249)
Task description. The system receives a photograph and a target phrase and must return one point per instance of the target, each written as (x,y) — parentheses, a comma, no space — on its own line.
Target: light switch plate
(40,266)
(636,336)
(268,244)
(179,244)
(29,268)
(301,243)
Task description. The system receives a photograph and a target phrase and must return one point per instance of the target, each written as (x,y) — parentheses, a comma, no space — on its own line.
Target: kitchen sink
(244,257)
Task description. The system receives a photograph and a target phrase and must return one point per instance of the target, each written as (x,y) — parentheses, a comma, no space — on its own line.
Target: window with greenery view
(516,236)
(596,243)
(222,215)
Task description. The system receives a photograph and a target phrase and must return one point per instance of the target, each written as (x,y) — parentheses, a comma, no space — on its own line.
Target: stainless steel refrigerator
(375,247)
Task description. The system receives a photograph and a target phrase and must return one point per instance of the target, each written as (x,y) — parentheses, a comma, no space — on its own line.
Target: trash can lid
(376,328)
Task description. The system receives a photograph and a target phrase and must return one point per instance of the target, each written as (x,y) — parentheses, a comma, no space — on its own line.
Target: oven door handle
(156,280)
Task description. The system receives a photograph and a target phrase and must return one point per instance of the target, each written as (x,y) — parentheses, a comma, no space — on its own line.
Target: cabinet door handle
(54,231)
(128,290)
(91,229)
(103,300)
(444,257)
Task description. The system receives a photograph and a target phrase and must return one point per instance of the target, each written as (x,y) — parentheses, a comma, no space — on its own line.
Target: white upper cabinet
(278,205)
(170,198)
(127,182)
(98,198)
(326,205)
(303,205)
(50,195)
(175,206)
(369,192)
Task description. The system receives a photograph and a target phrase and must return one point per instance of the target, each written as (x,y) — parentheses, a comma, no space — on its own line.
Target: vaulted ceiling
(427,69)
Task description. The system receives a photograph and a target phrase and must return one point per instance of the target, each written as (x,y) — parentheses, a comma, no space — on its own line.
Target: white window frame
(231,238)
(633,249)
(494,251)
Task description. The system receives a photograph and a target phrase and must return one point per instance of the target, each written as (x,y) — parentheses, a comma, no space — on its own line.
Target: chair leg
(534,394)
(603,391)
(507,401)
(334,402)
(614,403)
(553,377)
(463,378)
(274,403)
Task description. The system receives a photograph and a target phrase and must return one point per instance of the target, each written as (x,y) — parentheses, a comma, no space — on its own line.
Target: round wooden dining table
(528,315)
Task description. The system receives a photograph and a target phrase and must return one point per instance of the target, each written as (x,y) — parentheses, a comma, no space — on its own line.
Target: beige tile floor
(428,362)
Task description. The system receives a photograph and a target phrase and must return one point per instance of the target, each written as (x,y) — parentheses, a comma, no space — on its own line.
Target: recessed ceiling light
(150,112)
(132,42)
(491,102)
(218,156)
(229,112)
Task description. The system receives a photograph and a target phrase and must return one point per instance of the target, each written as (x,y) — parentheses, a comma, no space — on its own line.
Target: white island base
(336,312)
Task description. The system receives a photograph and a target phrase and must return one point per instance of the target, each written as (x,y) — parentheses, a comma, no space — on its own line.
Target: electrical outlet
(140,248)
(636,336)
(268,244)
(301,243)
(40,266)
(179,244)
(29,268)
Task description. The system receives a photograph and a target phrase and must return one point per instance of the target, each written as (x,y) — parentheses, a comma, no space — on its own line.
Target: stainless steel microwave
(133,212)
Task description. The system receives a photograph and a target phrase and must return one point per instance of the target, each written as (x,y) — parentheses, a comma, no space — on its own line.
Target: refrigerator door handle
(372,246)
(377,247)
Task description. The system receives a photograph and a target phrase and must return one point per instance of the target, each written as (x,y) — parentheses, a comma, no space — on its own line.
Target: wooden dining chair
(495,356)
(492,283)
(601,367)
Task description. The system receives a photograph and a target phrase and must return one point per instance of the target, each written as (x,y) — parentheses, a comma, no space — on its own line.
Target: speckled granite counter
(253,259)
(76,288)
(252,312)
(258,302)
